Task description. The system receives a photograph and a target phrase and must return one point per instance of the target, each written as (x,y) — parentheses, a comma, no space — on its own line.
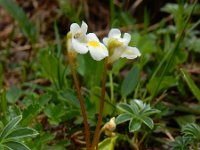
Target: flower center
(78,35)
(93,43)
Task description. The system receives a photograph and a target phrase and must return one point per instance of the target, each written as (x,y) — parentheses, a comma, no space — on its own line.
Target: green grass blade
(19,15)
(112,11)
(58,40)
(169,57)
(194,89)
(3,102)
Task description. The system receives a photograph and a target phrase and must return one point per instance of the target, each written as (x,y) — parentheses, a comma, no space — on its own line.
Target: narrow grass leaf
(170,56)
(3,102)
(58,40)
(194,89)
(19,15)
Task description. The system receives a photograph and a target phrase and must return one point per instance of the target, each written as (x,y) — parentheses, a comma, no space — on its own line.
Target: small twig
(142,139)
(169,135)
(134,6)
(159,99)
(77,137)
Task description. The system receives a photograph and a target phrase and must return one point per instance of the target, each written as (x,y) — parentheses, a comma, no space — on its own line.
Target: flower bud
(69,41)
(71,53)
(109,127)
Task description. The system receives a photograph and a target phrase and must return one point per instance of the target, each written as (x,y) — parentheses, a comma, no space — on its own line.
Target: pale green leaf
(22,133)
(13,145)
(108,143)
(123,118)
(148,121)
(125,108)
(10,126)
(134,125)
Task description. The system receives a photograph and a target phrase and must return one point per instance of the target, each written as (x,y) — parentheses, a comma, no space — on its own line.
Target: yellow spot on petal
(93,43)
(129,52)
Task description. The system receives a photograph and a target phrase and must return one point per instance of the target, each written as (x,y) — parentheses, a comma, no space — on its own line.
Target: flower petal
(79,47)
(105,41)
(98,52)
(126,38)
(116,54)
(116,33)
(131,53)
(74,28)
(84,27)
(92,37)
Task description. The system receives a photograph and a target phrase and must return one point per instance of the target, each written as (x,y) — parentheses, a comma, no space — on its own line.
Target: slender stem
(142,139)
(197,146)
(111,87)
(135,141)
(124,99)
(87,129)
(103,91)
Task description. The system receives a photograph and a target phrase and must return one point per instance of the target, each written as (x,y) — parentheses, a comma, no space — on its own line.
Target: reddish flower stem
(100,116)
(87,129)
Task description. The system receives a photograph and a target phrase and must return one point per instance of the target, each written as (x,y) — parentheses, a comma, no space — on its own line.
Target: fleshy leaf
(22,132)
(10,126)
(125,108)
(134,125)
(148,121)
(13,145)
(123,118)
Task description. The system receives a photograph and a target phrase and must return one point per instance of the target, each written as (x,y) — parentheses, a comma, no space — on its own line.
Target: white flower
(79,38)
(82,42)
(97,50)
(118,47)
